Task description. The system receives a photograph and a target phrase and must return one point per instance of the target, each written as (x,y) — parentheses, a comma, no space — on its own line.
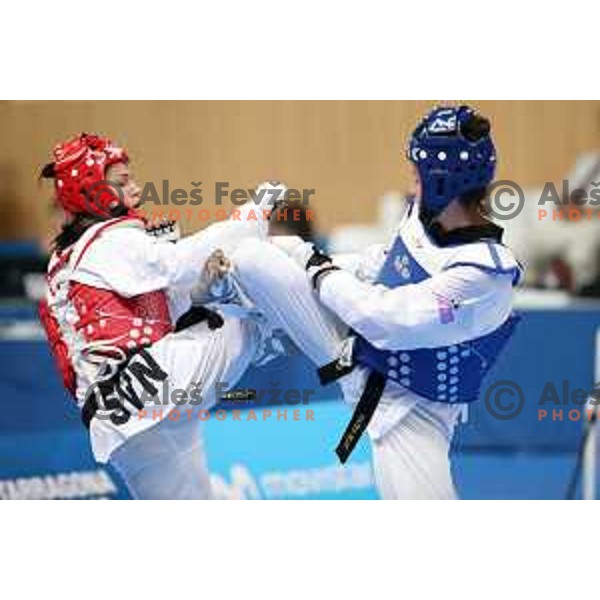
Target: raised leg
(280,289)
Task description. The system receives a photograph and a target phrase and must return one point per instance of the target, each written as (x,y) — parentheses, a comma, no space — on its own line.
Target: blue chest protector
(445,374)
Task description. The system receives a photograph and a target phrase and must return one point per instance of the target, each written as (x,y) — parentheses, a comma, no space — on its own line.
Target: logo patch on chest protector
(446,309)
(402,266)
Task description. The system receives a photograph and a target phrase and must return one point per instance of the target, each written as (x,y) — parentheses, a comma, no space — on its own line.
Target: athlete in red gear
(115,294)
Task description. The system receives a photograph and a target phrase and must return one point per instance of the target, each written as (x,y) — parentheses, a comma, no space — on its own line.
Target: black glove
(319,265)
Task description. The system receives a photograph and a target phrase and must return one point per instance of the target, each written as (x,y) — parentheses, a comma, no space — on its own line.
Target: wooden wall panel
(350,152)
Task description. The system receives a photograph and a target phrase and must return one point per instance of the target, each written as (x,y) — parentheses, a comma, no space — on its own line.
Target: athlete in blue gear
(411,329)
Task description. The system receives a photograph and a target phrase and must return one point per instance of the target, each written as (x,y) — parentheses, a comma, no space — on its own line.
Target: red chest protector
(58,348)
(123,323)
(106,324)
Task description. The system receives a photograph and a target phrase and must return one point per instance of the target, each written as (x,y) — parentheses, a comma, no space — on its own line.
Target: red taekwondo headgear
(79,171)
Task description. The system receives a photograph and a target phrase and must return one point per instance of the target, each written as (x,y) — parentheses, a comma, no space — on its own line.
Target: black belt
(362,415)
(364,410)
(198,314)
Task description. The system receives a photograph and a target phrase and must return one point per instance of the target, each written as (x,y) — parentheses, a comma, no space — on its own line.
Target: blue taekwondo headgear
(449,160)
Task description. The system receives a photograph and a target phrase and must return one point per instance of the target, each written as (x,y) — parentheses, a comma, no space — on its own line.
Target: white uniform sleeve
(451,307)
(364,265)
(130,262)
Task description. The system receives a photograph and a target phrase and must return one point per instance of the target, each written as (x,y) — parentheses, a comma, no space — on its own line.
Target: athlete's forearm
(444,310)
(181,264)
